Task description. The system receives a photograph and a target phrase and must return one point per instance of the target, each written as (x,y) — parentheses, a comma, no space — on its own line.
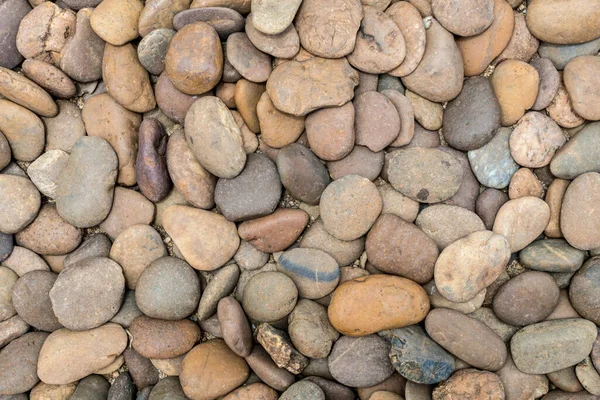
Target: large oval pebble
(521,221)
(583,289)
(19,204)
(579,217)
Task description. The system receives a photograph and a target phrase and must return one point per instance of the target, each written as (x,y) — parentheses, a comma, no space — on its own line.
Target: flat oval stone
(206,240)
(439,75)
(269,296)
(81,56)
(379,44)
(360,306)
(552,345)
(6,246)
(397,247)
(168,289)
(470,264)
(157,338)
(88,294)
(68,356)
(344,252)
(85,199)
(535,139)
(234,326)
(416,357)
(19,89)
(551,255)
(250,62)
(22,261)
(299,87)
(330,132)
(409,21)
(360,161)
(212,370)
(283,45)
(129,208)
(526,299)
(331,34)
(19,363)
(173,103)
(225,20)
(221,285)
(275,232)
(561,110)
(194,61)
(350,206)
(564,22)
(50,78)
(314,272)
(159,14)
(116,21)
(561,54)
(407,116)
(513,74)
(579,155)
(427,113)
(253,391)
(549,82)
(377,122)
(20,203)
(445,223)
(470,383)
(521,221)
(208,119)
(583,286)
(49,234)
(581,81)
(302,173)
(12,13)
(254,193)
(23,130)
(360,361)
(493,164)
(579,219)
(472,119)
(31,300)
(310,330)
(442,180)
(151,167)
(449,14)
(466,338)
(152,50)
(273,17)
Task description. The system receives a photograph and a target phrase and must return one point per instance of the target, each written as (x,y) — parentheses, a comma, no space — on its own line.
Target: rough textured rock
(470,384)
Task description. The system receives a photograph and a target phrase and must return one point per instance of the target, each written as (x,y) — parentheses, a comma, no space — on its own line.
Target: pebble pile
(299,199)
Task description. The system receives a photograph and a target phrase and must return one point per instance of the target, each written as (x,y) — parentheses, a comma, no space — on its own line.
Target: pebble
(85,199)
(588,376)
(129,208)
(116,21)
(45,171)
(171,101)
(65,129)
(578,219)
(168,288)
(89,294)
(407,18)
(155,338)
(331,34)
(250,62)
(212,370)
(249,257)
(302,173)
(206,120)
(552,345)
(269,296)
(397,247)
(49,78)
(493,164)
(23,260)
(466,338)
(310,330)
(159,14)
(5,152)
(6,246)
(82,54)
(282,352)
(442,180)
(143,373)
(395,384)
(275,232)
(68,356)
(472,119)
(578,155)
(152,50)
(365,300)
(480,50)
(128,312)
(360,361)
(254,193)
(122,387)
(225,21)
(303,390)
(551,255)
(377,122)
(283,45)
(19,363)
(396,203)
(565,379)
(273,17)
(134,249)
(561,110)
(221,285)
(277,128)
(49,234)
(514,103)
(522,45)
(582,289)
(331,132)
(561,54)
(445,223)
(298,87)
(525,183)
(549,82)
(578,25)
(203,64)
(416,357)
(167,387)
(93,387)
(521,221)
(439,301)
(449,14)
(580,77)
(427,113)
(344,252)
(246,96)
(151,169)
(43,391)
(360,161)
(315,273)
(234,326)
(439,75)
(23,130)
(535,139)
(349,207)
(407,116)
(9,279)
(469,384)
(12,13)
(20,203)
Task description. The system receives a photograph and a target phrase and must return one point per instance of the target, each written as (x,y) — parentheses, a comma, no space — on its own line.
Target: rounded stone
(581,81)
(344,252)
(310,330)
(19,204)
(551,255)
(88,294)
(273,17)
(513,74)
(581,291)
(303,390)
(18,362)
(194,60)
(377,122)
(23,130)
(472,119)
(269,296)
(157,338)
(561,54)
(526,299)
(372,303)
(9,279)
(350,206)
(360,361)
(549,82)
(409,21)
(63,130)
(19,89)
(254,193)
(453,16)
(445,223)
(284,45)
(525,183)
(521,221)
(330,132)
(441,180)
(12,13)
(221,285)
(275,232)
(225,20)
(45,171)
(251,63)
(397,247)
(31,299)
(50,78)
(360,161)
(168,288)
(152,50)
(535,139)
(314,272)
(522,45)
(493,164)
(579,218)
(235,327)
(212,370)
(93,387)
(470,383)
(116,21)
(253,391)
